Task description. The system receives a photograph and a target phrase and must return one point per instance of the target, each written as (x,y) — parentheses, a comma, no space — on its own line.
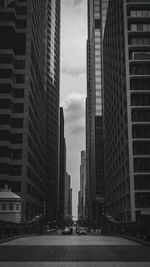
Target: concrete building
(10,206)
(29,102)
(127,109)
(82,184)
(94,109)
(62,167)
(22,101)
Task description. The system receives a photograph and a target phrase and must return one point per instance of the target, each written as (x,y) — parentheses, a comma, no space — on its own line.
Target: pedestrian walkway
(73,251)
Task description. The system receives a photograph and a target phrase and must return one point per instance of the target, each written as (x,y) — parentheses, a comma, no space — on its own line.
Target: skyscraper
(52,106)
(127,109)
(22,101)
(68,198)
(62,167)
(94,106)
(29,101)
(82,184)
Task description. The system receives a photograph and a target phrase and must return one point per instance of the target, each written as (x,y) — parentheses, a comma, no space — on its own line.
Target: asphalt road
(73,251)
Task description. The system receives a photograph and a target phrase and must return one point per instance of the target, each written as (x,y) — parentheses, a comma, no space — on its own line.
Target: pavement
(73,251)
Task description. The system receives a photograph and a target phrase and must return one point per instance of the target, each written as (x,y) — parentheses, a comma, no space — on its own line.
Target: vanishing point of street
(73,251)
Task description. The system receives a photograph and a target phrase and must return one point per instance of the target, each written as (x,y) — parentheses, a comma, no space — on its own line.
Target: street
(76,251)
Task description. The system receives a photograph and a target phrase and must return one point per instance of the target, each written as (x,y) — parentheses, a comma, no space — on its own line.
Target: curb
(7,239)
(140,241)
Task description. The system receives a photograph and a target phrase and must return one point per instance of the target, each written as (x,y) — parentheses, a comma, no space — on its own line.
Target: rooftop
(6,193)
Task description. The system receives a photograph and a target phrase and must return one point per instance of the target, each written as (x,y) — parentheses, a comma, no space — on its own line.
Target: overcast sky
(73,85)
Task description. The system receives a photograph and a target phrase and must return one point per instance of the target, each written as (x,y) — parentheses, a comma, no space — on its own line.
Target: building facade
(62,167)
(52,106)
(10,206)
(22,101)
(79,205)
(82,184)
(68,197)
(29,102)
(127,109)
(94,108)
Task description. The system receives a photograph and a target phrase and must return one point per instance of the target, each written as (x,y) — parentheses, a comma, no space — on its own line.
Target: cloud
(74,112)
(73,38)
(72,2)
(77,2)
(73,71)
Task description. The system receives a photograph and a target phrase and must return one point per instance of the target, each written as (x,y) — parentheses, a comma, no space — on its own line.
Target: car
(82,231)
(66,231)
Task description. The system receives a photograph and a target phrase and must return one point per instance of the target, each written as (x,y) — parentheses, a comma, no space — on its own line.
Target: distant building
(127,109)
(68,197)
(62,166)
(82,183)
(79,205)
(10,206)
(70,203)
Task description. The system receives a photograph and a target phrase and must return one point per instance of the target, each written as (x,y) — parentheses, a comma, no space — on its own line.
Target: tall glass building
(94,109)
(52,106)
(127,109)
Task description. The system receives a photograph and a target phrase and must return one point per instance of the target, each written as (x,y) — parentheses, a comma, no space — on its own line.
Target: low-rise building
(10,206)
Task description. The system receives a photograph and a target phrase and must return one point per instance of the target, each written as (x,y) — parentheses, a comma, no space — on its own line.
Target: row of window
(140,55)
(140,27)
(140,84)
(142,165)
(141,148)
(142,200)
(140,100)
(141,115)
(139,41)
(141,131)
(10,206)
(140,13)
(142,182)
(140,69)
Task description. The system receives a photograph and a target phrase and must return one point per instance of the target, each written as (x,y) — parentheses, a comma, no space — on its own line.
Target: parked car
(82,231)
(66,231)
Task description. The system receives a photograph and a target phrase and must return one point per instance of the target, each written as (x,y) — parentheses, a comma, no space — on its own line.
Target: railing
(8,229)
(139,229)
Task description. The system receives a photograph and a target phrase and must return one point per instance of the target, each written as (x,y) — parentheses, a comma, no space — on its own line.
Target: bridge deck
(75,251)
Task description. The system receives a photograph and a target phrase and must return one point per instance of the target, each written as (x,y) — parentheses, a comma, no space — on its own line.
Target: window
(16,154)
(10,206)
(19,78)
(17,123)
(17,138)
(3,206)
(15,170)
